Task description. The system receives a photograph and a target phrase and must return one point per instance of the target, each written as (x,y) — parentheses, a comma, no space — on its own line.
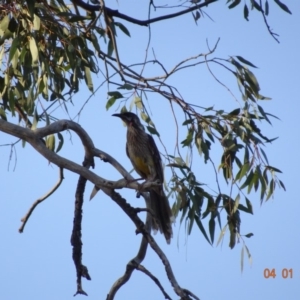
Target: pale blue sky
(38,263)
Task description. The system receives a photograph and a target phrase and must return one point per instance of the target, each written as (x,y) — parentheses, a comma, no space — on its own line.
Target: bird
(145,158)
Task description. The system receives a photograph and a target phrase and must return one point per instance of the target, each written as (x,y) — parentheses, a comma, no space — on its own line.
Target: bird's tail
(162,219)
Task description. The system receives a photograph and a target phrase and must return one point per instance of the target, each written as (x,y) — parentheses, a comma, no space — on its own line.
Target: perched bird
(145,158)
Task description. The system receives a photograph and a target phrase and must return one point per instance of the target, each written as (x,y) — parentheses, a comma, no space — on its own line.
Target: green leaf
(36,23)
(13,48)
(191,222)
(211,226)
(235,112)
(77,18)
(125,86)
(234,4)
(249,255)
(236,203)
(222,233)
(138,102)
(271,189)
(264,155)
(95,42)
(30,5)
(282,185)
(34,52)
(188,121)
(111,101)
(252,81)
(246,12)
(50,142)
(152,130)
(248,235)
(244,170)
(35,120)
(255,5)
(249,206)
(266,7)
(254,182)
(200,225)
(2,114)
(122,28)
(13,25)
(245,61)
(110,48)
(61,142)
(248,180)
(88,78)
(263,114)
(243,208)
(189,138)
(115,94)
(283,6)
(274,169)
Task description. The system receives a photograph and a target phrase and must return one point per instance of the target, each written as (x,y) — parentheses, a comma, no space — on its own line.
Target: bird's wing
(156,158)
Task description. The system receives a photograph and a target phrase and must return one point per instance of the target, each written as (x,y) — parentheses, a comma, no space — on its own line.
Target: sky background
(38,263)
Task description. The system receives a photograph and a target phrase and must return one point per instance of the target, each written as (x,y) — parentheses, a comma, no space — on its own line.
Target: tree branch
(38,201)
(117,14)
(131,213)
(156,281)
(76,241)
(34,138)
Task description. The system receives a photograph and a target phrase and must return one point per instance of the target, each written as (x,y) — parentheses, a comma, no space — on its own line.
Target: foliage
(48,48)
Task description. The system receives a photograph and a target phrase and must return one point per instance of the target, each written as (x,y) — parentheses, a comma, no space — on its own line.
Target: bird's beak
(122,117)
(117,115)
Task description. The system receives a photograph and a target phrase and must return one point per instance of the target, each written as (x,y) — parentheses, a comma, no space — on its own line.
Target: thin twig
(156,281)
(273,34)
(38,201)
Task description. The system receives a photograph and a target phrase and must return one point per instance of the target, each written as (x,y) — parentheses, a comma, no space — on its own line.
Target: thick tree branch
(131,213)
(117,14)
(34,138)
(76,241)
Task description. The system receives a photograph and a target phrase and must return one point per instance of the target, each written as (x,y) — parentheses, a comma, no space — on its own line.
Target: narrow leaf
(266,7)
(282,185)
(115,94)
(34,52)
(61,142)
(30,5)
(200,225)
(110,48)
(249,206)
(122,28)
(88,78)
(283,6)
(246,12)
(211,226)
(125,86)
(234,4)
(274,169)
(248,235)
(245,61)
(110,102)
(13,48)
(152,130)
(222,234)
